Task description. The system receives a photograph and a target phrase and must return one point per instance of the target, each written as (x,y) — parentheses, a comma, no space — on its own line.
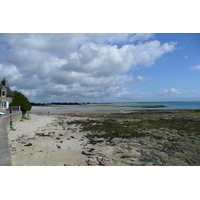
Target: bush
(21,100)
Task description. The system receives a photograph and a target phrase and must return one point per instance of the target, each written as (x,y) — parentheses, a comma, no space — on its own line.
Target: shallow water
(147,160)
(175,133)
(168,105)
(112,107)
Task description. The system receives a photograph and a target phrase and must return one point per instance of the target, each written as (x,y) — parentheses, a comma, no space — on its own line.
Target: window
(4,105)
(3,94)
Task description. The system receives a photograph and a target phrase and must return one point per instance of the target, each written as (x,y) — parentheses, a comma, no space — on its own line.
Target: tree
(21,100)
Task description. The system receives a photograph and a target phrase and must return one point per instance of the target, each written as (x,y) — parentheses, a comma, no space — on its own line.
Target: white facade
(5,95)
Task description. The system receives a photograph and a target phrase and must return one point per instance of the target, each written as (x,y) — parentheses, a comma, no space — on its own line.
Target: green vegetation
(24,118)
(58,103)
(109,129)
(141,123)
(165,137)
(21,100)
(177,124)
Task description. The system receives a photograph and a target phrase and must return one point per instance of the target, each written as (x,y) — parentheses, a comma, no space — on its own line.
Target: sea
(114,107)
(167,105)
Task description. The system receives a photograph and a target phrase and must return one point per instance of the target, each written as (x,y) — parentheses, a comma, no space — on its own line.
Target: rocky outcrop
(154,146)
(153,142)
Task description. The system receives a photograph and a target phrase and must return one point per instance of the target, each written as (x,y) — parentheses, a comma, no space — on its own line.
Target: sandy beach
(143,138)
(39,141)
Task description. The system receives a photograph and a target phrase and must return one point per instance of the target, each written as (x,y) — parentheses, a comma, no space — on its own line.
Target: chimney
(5,82)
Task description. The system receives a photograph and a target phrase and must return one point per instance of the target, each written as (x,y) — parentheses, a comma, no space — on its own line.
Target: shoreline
(112,108)
(84,139)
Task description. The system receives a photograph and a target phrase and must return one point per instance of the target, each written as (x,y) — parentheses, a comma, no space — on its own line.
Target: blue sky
(102,67)
(173,70)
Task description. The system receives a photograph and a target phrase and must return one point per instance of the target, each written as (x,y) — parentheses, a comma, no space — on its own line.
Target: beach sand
(143,138)
(39,141)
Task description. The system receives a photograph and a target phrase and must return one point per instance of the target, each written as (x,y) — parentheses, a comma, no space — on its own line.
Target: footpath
(5,155)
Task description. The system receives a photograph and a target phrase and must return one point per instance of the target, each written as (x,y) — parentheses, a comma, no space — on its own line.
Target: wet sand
(90,108)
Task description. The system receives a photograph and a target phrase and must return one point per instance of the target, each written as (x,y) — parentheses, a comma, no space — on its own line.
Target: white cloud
(107,60)
(196,68)
(172,90)
(11,72)
(174,93)
(76,66)
(140,78)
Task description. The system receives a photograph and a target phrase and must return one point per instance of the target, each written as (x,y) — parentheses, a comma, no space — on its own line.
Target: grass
(24,118)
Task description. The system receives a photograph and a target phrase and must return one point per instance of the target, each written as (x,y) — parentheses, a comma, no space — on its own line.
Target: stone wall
(5,156)
(14,117)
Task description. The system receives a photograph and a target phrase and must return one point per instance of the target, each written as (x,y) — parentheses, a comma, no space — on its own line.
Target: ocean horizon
(167,104)
(123,107)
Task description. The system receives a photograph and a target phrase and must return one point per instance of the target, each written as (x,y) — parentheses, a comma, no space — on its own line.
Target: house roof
(9,92)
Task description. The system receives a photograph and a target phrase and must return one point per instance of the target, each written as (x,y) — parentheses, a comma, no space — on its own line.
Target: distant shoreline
(146,106)
(134,105)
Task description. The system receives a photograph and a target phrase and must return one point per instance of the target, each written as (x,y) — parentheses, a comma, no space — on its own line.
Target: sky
(104,67)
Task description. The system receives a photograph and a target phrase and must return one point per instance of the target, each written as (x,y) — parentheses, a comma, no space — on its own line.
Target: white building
(6,95)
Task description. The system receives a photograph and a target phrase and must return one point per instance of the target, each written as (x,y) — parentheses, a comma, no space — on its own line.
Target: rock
(174,161)
(161,142)
(160,147)
(189,161)
(145,152)
(130,154)
(134,152)
(142,142)
(158,162)
(93,161)
(178,155)
(156,152)
(135,144)
(90,150)
(163,156)
(127,162)
(43,135)
(84,153)
(29,144)
(100,159)
(67,164)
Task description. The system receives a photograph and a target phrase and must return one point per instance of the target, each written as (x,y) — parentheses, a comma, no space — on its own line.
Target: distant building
(6,95)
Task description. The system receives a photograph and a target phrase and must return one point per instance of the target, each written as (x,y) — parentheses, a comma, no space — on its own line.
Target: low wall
(14,117)
(5,156)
